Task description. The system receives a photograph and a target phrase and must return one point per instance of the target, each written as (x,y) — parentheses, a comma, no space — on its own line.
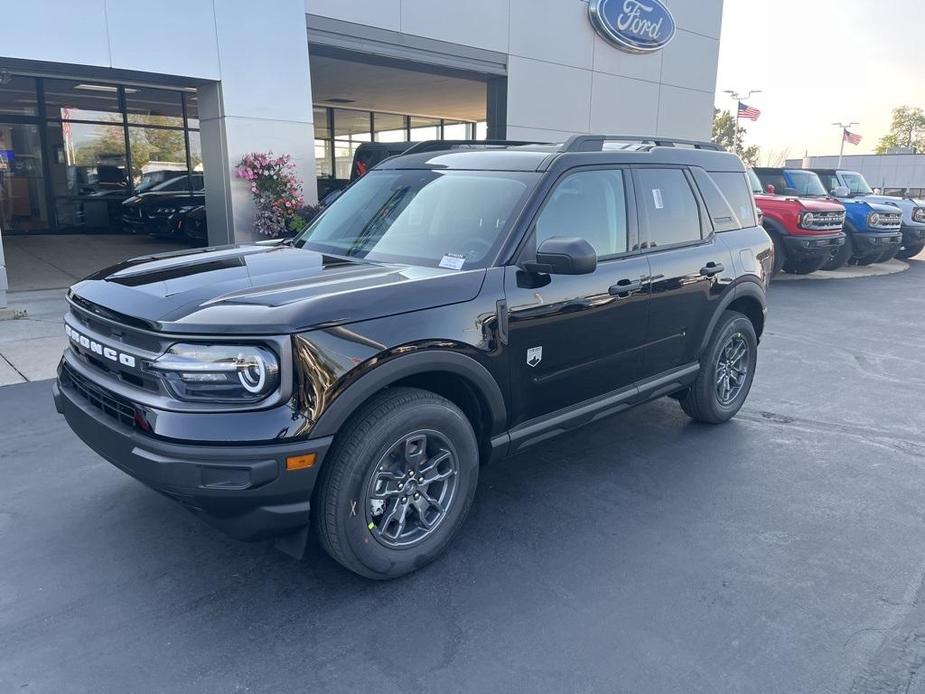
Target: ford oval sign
(639,26)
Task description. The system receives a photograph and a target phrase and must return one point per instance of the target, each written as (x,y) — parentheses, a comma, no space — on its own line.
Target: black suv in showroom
(451,308)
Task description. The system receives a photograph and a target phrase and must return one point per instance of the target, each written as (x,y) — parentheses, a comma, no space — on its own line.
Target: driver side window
(589,205)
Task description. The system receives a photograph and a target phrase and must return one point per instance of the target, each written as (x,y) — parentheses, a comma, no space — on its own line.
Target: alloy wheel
(411,488)
(732,366)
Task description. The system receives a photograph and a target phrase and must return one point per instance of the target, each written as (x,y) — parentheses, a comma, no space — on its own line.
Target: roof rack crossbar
(437,145)
(595,143)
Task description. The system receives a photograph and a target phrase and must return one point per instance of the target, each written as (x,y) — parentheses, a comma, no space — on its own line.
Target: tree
(906,130)
(732,139)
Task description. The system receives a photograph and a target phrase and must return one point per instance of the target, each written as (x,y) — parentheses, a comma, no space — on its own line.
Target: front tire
(887,255)
(805,266)
(840,257)
(779,253)
(398,483)
(910,250)
(726,372)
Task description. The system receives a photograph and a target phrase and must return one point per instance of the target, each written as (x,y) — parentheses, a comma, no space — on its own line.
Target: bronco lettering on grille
(98,348)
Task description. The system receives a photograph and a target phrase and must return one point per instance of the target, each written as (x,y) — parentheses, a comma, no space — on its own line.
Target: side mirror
(561,255)
(842,192)
(770,188)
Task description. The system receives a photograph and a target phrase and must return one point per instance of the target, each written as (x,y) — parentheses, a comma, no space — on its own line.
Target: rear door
(689,265)
(574,337)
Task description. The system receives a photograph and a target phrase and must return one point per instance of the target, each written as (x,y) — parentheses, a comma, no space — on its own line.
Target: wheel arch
(748,298)
(459,378)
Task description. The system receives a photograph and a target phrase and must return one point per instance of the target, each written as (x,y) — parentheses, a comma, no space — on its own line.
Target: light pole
(738,99)
(841,149)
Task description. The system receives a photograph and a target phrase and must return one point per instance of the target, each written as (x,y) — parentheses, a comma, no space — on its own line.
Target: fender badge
(534,356)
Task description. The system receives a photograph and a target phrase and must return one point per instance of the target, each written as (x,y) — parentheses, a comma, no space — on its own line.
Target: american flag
(851,137)
(749,112)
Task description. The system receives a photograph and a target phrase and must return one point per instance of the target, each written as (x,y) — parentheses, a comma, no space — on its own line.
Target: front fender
(383,370)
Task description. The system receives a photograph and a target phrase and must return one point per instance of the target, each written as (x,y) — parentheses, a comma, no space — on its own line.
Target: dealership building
(100,100)
(892,174)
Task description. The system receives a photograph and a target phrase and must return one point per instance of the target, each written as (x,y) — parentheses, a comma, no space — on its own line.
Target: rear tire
(398,483)
(840,257)
(727,369)
(805,266)
(910,250)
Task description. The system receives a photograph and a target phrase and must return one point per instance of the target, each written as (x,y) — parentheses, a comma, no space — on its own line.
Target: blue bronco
(873,229)
(913,211)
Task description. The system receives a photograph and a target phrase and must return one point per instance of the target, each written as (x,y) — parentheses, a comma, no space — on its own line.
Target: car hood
(872,204)
(259,290)
(810,204)
(162,197)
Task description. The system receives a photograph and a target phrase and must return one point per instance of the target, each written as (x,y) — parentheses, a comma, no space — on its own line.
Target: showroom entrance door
(23,204)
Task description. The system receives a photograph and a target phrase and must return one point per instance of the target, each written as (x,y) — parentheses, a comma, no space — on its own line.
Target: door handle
(711,269)
(624,288)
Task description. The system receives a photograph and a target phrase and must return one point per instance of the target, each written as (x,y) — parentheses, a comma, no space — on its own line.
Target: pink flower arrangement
(276,189)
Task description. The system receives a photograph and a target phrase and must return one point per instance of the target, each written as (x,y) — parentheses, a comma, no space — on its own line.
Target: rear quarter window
(737,191)
(719,210)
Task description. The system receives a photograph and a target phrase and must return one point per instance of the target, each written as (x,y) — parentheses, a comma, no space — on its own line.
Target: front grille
(827,220)
(107,402)
(890,221)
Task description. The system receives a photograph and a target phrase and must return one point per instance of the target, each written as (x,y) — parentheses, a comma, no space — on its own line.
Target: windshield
(451,219)
(806,183)
(855,183)
(754,182)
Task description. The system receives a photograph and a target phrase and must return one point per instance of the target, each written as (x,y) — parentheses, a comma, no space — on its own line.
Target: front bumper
(913,235)
(244,490)
(799,247)
(870,242)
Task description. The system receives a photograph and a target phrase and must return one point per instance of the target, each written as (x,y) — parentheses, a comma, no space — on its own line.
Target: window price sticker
(453,261)
(657,198)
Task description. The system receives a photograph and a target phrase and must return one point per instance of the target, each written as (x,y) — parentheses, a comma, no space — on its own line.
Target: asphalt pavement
(782,552)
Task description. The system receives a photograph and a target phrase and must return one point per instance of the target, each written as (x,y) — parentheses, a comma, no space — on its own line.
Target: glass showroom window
(71,151)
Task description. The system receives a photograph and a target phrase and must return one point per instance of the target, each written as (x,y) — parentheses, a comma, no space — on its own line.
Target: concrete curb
(849,272)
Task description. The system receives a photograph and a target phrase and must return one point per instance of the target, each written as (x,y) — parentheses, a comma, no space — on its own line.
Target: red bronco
(806,232)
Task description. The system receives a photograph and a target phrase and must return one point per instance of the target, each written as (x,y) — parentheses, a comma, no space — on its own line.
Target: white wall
(880,170)
(562,77)
(256,53)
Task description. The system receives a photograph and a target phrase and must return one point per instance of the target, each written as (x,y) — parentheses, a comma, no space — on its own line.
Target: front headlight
(918,214)
(218,373)
(873,219)
(806,220)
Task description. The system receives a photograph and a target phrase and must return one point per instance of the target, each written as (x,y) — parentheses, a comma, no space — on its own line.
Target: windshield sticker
(453,261)
(657,197)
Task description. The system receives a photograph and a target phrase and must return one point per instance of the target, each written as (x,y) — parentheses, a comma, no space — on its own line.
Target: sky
(818,62)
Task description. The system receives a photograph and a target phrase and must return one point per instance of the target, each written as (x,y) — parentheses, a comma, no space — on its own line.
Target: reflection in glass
(192,108)
(76,100)
(146,106)
(156,149)
(88,173)
(22,195)
(18,96)
(322,131)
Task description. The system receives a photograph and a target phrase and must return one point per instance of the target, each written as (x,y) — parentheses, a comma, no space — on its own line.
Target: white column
(263,102)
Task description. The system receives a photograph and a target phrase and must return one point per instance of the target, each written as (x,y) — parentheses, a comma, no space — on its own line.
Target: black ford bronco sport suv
(451,308)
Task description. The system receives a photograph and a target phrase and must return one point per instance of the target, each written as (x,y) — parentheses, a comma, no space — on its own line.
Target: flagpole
(844,129)
(738,99)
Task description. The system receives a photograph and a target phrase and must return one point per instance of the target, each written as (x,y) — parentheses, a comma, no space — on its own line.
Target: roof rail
(438,145)
(595,143)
